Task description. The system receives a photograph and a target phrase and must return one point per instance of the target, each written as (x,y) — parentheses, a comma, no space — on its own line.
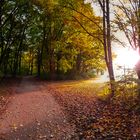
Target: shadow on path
(34,115)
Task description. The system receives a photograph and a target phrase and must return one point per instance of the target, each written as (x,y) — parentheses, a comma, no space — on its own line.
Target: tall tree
(69,28)
(127,19)
(49,37)
(105,6)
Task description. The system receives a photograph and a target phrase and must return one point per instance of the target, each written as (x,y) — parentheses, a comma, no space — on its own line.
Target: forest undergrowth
(86,106)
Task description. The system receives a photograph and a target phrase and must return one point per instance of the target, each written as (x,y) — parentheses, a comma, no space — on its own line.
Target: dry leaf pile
(93,118)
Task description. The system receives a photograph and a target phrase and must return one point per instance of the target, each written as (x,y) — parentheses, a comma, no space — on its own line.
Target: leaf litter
(95,119)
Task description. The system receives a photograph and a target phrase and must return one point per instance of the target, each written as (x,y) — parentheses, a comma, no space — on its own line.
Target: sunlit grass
(126,93)
(83,87)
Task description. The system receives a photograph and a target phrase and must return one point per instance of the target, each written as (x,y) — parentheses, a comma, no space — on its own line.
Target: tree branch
(87,30)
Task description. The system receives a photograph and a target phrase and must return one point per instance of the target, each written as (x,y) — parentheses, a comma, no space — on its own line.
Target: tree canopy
(54,38)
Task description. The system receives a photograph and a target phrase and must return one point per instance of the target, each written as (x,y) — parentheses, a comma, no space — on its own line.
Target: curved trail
(33,114)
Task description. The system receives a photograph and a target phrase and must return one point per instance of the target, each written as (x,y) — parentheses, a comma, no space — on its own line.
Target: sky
(126,57)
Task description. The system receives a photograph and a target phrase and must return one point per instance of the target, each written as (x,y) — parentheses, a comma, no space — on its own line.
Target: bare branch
(87,30)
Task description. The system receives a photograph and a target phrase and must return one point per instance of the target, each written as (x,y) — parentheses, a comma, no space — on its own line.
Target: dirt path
(34,114)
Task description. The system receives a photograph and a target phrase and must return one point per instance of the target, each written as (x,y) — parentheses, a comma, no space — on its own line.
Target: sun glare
(127,57)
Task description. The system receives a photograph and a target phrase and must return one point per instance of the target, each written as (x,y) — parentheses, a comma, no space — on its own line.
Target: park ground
(33,109)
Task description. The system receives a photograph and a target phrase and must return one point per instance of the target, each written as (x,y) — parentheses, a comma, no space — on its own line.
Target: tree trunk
(32,65)
(110,64)
(39,59)
(40,50)
(138,63)
(107,42)
(1,35)
(139,26)
(52,65)
(59,56)
(78,63)
(19,63)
